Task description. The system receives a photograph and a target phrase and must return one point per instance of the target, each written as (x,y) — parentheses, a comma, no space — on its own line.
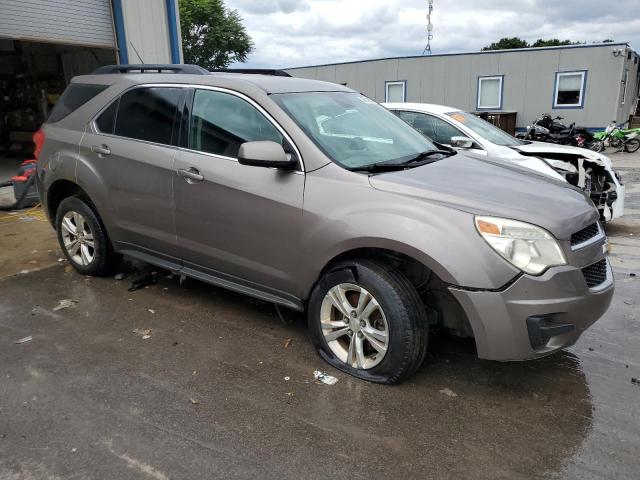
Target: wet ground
(223,388)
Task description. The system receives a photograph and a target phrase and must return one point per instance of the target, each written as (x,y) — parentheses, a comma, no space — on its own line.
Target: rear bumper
(514,324)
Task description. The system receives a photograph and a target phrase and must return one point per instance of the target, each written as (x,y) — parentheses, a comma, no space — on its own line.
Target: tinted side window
(430,126)
(74,96)
(107,119)
(148,114)
(221,122)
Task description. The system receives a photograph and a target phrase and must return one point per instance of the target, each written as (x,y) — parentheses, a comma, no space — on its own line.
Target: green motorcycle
(621,139)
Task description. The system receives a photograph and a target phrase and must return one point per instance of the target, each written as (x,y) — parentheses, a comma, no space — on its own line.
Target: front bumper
(499,318)
(617,207)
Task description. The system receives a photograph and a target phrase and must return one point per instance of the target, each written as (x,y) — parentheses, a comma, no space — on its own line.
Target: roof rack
(256,71)
(151,68)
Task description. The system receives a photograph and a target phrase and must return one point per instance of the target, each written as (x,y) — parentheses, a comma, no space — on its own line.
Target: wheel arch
(429,277)
(376,248)
(58,191)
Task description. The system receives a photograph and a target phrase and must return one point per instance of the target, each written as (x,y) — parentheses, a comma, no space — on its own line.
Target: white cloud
(290,33)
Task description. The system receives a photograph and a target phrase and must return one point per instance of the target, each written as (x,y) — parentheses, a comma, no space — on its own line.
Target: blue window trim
(554,98)
(478,107)
(404,82)
(121,36)
(174,38)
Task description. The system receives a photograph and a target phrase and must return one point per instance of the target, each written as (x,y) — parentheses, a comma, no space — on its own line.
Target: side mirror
(461,142)
(265,154)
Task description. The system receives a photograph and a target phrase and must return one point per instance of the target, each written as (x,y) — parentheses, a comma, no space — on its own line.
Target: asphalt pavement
(185,381)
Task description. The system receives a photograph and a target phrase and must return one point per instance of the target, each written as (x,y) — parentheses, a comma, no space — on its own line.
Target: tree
(212,35)
(507,43)
(552,42)
(515,42)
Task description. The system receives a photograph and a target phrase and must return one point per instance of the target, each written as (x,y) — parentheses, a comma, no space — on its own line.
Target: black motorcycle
(548,129)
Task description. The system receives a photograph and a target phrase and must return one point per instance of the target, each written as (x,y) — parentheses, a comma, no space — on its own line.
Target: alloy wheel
(354,326)
(77,238)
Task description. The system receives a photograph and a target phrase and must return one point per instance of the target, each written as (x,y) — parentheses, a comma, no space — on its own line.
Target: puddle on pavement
(459,417)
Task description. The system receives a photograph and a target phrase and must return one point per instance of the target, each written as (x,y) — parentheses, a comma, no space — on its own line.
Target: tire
(89,250)
(597,146)
(399,312)
(632,145)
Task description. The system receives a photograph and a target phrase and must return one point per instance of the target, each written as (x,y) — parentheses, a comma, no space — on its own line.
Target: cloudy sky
(291,33)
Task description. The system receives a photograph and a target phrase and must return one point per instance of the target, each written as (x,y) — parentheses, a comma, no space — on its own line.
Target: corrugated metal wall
(147,31)
(529,80)
(80,22)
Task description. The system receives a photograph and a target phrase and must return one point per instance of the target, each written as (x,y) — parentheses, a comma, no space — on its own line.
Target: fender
(334,225)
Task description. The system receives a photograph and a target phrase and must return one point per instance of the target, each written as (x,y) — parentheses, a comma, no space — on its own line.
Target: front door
(437,129)
(238,221)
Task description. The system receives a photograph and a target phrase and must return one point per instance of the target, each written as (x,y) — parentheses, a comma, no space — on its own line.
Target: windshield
(485,129)
(351,129)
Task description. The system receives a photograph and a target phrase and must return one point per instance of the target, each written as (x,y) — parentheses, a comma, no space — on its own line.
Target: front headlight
(529,248)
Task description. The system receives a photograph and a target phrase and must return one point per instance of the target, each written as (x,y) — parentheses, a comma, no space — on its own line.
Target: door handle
(101,150)
(191,175)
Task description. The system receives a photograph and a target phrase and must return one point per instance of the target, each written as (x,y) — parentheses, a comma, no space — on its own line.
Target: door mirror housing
(461,142)
(267,154)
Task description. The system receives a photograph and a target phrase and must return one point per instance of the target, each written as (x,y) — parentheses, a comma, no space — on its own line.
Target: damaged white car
(591,171)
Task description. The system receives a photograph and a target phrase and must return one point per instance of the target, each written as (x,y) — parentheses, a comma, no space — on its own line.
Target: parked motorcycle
(547,129)
(621,139)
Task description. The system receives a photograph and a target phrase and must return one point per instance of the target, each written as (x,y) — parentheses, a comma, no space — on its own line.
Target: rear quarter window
(75,95)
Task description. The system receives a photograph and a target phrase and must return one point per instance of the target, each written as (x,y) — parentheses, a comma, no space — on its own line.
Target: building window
(490,93)
(625,78)
(569,90)
(395,92)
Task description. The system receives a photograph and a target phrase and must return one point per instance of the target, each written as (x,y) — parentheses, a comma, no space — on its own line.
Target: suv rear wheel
(83,238)
(368,320)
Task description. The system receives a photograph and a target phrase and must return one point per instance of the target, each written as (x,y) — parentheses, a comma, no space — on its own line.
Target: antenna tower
(427,49)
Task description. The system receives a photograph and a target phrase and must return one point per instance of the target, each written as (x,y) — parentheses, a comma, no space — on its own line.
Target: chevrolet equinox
(312,196)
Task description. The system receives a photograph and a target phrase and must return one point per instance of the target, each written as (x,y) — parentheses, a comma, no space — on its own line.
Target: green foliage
(507,43)
(212,35)
(515,42)
(552,42)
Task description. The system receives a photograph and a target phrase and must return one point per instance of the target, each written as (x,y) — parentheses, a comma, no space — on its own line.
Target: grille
(585,234)
(596,273)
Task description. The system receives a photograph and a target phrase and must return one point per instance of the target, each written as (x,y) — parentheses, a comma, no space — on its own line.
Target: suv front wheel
(83,238)
(367,320)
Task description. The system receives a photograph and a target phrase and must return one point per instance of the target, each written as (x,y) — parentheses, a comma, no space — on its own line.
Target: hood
(540,148)
(485,188)
(532,163)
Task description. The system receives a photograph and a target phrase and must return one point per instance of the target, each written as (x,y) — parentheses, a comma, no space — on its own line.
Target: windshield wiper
(422,158)
(431,153)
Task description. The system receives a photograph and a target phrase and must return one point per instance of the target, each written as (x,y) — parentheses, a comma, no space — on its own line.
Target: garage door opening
(33,75)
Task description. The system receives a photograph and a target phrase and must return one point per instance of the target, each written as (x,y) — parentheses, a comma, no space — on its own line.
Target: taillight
(38,139)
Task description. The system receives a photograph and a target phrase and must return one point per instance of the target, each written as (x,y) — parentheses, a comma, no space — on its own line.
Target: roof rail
(256,71)
(151,68)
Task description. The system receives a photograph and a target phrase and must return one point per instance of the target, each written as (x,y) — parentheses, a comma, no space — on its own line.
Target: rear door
(236,221)
(131,147)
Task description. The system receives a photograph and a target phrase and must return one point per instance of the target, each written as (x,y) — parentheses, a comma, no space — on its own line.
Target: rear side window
(75,95)
(148,114)
(221,122)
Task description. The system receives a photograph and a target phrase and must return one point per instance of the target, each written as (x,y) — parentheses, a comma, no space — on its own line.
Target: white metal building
(589,84)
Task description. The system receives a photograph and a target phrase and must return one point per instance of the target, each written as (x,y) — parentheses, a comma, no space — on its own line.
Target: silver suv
(312,196)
